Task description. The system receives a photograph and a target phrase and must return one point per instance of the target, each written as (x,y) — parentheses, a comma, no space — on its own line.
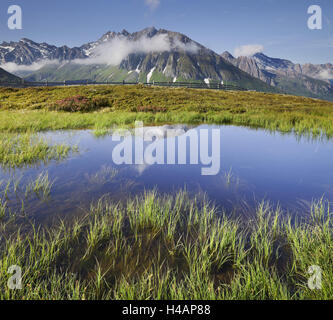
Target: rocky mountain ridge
(308,79)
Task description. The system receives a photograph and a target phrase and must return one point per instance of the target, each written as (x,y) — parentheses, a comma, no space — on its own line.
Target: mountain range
(145,56)
(308,79)
(161,55)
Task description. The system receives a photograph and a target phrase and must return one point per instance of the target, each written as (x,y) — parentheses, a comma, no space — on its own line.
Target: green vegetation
(8,77)
(155,246)
(188,68)
(41,109)
(17,150)
(3,208)
(170,247)
(41,187)
(104,175)
(228,176)
(300,87)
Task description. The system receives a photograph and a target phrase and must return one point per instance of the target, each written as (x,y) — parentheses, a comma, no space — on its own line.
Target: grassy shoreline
(157,246)
(99,107)
(171,247)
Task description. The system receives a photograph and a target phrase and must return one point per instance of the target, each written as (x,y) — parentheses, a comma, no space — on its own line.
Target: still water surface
(255,165)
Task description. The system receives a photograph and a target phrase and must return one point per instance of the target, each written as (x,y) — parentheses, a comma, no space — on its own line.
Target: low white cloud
(115,51)
(152,4)
(248,50)
(15,68)
(325,75)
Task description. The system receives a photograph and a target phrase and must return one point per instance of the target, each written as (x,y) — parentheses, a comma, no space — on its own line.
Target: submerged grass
(18,150)
(31,109)
(170,247)
(41,186)
(3,208)
(104,175)
(228,176)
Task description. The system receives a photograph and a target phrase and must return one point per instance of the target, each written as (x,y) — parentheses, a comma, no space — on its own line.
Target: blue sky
(280,26)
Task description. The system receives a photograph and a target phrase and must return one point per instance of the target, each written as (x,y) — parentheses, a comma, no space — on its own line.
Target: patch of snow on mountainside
(8,49)
(150,74)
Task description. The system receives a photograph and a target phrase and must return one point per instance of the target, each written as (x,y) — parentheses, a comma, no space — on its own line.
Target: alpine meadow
(146,165)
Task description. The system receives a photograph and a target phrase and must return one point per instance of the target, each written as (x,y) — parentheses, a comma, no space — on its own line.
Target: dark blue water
(255,165)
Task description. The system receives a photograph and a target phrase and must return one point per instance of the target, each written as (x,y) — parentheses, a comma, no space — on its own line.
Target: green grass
(170,247)
(31,109)
(228,176)
(3,208)
(26,149)
(155,246)
(104,175)
(41,186)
